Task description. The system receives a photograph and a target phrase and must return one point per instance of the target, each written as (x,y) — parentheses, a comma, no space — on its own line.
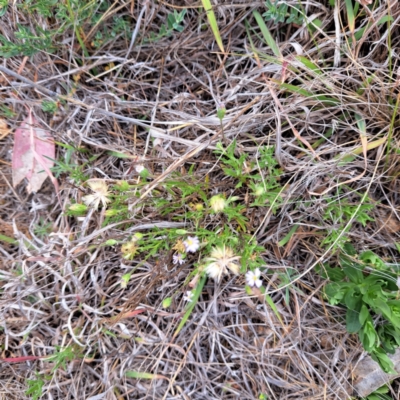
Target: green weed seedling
(278,12)
(174,22)
(35,387)
(74,171)
(49,106)
(367,288)
(27,43)
(265,188)
(339,213)
(64,355)
(42,229)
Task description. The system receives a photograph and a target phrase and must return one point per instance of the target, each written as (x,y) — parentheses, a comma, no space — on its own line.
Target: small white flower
(398,282)
(220,259)
(100,194)
(253,278)
(189,296)
(191,244)
(139,168)
(177,258)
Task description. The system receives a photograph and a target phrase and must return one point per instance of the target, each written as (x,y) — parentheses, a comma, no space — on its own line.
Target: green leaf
(310,65)
(167,302)
(196,294)
(349,249)
(353,273)
(143,375)
(368,336)
(364,314)
(383,360)
(335,292)
(352,299)
(267,35)
(370,258)
(350,15)
(213,23)
(352,321)
(288,236)
(271,303)
(327,272)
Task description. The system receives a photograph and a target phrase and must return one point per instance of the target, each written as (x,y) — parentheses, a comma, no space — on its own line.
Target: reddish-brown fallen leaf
(32,146)
(21,359)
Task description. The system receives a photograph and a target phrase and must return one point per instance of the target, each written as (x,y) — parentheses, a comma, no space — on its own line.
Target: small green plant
(64,355)
(368,289)
(49,106)
(74,171)
(174,22)
(42,7)
(42,229)
(278,11)
(339,213)
(35,387)
(265,189)
(27,43)
(6,112)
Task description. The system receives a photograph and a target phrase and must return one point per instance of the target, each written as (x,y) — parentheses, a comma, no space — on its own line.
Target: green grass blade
(143,375)
(350,15)
(310,65)
(213,23)
(271,303)
(288,236)
(7,239)
(192,304)
(267,35)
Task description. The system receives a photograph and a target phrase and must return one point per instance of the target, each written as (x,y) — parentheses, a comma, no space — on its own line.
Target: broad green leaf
(370,258)
(352,299)
(364,314)
(383,360)
(352,321)
(353,273)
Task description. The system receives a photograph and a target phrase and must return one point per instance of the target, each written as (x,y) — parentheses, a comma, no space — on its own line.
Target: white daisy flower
(189,296)
(253,278)
(100,194)
(221,259)
(177,258)
(191,244)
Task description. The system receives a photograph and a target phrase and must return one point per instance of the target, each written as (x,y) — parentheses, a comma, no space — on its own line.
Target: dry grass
(63,289)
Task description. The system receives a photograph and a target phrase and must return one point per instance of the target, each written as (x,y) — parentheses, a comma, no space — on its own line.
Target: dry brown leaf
(4,129)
